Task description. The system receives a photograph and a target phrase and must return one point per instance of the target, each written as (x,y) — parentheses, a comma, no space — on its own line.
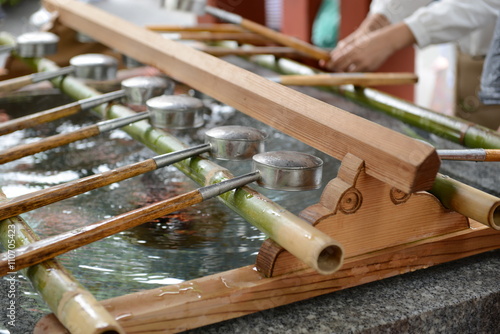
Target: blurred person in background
(392,25)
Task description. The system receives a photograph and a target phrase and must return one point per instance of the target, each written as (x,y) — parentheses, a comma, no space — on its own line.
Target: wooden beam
(389,156)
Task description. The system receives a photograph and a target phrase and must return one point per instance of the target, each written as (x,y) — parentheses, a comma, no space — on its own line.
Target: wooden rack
(377,206)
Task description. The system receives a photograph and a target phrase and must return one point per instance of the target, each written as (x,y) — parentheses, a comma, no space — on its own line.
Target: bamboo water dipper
(307,243)
(226,143)
(33,44)
(93,66)
(136,91)
(30,45)
(48,143)
(52,114)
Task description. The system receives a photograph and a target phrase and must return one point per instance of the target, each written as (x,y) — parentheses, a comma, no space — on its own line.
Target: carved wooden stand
(385,233)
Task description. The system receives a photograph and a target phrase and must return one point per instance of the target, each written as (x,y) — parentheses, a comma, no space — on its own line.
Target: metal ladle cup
(176,112)
(94,66)
(34,44)
(138,90)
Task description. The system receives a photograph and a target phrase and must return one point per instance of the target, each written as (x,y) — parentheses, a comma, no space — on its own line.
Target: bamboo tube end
(495,217)
(330,259)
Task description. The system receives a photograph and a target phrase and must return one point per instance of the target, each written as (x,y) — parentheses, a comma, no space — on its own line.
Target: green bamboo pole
(468,201)
(452,128)
(75,307)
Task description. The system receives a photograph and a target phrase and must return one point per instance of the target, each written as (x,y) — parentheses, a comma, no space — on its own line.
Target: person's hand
(371,23)
(368,52)
(360,55)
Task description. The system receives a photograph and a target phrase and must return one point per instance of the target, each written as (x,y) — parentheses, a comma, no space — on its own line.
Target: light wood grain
(24,203)
(48,143)
(393,158)
(217,27)
(39,118)
(492,155)
(367,215)
(10,85)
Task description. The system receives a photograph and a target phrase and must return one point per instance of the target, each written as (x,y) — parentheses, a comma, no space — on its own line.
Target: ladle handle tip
(39,118)
(48,143)
(13,84)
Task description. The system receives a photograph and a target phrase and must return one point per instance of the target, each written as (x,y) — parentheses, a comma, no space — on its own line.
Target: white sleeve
(449,20)
(396,10)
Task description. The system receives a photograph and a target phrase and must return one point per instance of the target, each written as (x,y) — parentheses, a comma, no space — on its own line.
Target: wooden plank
(214,27)
(389,156)
(243,291)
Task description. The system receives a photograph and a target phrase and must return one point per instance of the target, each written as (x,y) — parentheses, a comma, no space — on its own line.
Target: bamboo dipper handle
(470,154)
(15,206)
(15,83)
(51,247)
(492,155)
(358,79)
(39,118)
(48,143)
(278,37)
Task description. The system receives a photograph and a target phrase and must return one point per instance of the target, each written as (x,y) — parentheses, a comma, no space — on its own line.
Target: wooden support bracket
(367,215)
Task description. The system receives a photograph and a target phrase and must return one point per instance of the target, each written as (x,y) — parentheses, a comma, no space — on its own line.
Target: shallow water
(197,241)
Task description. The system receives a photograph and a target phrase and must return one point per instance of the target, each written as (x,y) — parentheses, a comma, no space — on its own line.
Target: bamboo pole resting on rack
(84,315)
(467,200)
(357,79)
